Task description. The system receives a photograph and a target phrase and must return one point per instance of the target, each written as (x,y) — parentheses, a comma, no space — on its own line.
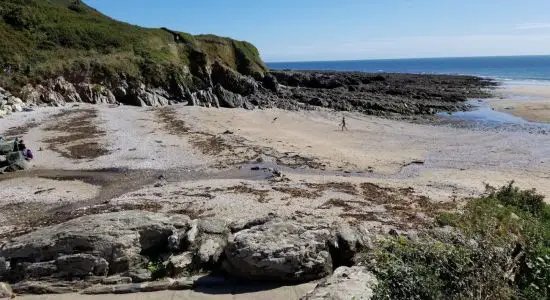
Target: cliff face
(53,51)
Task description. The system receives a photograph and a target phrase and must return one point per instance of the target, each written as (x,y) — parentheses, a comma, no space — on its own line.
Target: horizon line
(405,58)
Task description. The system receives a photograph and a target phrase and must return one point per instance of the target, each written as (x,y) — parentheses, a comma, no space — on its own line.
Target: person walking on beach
(343,124)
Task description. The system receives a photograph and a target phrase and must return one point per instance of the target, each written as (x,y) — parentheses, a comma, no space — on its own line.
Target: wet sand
(530,102)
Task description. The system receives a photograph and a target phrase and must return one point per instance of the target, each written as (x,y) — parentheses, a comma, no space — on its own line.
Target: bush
(499,249)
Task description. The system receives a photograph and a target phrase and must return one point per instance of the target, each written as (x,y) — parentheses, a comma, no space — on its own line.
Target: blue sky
(302,30)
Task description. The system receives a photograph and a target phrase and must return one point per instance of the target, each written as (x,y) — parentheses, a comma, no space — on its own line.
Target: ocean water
(507,69)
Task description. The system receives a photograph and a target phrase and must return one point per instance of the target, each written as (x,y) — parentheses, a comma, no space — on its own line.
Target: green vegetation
(43,38)
(499,249)
(157,268)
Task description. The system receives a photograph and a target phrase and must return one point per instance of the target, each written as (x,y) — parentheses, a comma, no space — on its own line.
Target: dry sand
(381,172)
(530,102)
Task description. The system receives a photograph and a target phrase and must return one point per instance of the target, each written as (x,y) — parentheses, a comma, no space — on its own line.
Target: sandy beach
(221,162)
(530,102)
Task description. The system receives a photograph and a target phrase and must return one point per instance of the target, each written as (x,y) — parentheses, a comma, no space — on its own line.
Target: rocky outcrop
(91,245)
(207,239)
(281,251)
(232,80)
(221,86)
(381,94)
(346,283)
(10,104)
(204,98)
(134,247)
(6,291)
(227,98)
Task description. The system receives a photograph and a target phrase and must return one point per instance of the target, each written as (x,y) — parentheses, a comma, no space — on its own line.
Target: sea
(506,69)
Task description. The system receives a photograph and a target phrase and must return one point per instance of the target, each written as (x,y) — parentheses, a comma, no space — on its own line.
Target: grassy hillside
(43,38)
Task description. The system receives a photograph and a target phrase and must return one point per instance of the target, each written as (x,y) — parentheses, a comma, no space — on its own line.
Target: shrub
(499,249)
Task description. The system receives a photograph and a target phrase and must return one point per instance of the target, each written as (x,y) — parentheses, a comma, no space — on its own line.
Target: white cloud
(527,26)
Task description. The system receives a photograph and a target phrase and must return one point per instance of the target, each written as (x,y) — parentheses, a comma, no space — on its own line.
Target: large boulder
(6,291)
(280,250)
(205,98)
(349,241)
(88,244)
(65,89)
(270,82)
(346,283)
(233,81)
(207,240)
(227,98)
(95,93)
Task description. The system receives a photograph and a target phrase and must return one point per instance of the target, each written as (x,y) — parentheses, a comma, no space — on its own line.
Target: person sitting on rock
(21,146)
(28,154)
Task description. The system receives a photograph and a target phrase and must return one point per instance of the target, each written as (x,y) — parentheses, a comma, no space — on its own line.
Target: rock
(6,291)
(204,98)
(167,284)
(95,93)
(270,82)
(232,80)
(81,265)
(119,238)
(247,224)
(176,242)
(207,239)
(49,287)
(280,250)
(17,107)
(227,98)
(30,95)
(4,267)
(349,241)
(116,280)
(139,275)
(346,283)
(316,101)
(38,270)
(180,264)
(65,89)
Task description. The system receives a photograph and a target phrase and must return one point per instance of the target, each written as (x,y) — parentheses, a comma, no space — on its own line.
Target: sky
(313,30)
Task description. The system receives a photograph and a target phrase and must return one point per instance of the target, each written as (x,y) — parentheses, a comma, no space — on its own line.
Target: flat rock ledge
(137,251)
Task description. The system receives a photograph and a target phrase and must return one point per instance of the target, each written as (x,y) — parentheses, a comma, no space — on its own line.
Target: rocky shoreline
(114,252)
(373,94)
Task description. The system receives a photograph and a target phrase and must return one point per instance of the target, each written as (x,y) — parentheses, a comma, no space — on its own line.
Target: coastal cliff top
(44,38)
